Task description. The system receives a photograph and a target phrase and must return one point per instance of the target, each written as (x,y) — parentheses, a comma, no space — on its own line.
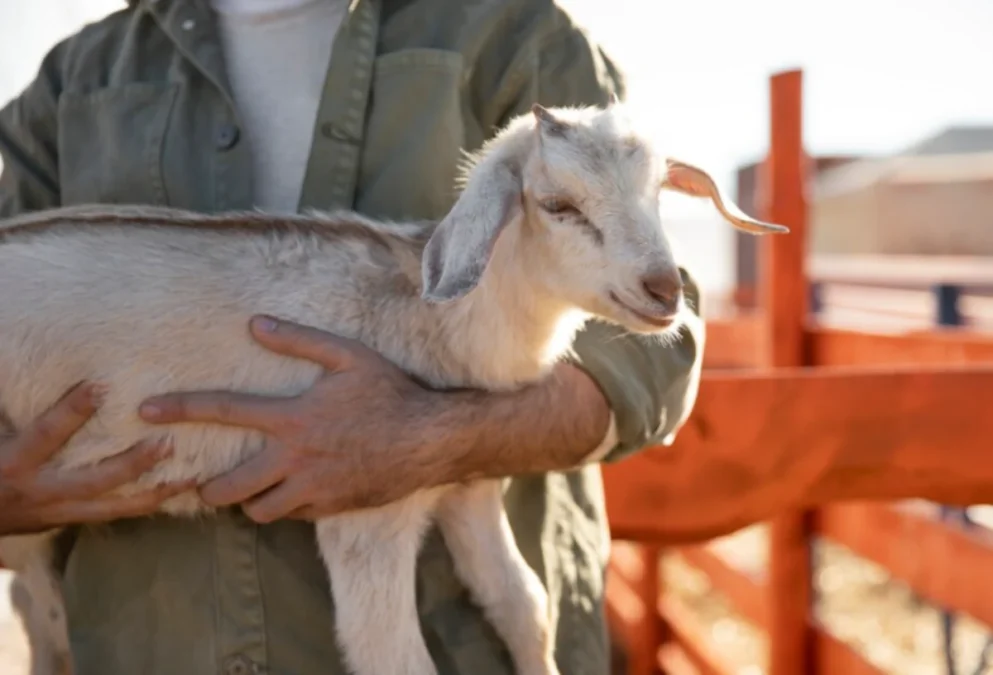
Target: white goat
(558,222)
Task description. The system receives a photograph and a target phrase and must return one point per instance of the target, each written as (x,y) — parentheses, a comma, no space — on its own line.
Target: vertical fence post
(786,298)
(947,313)
(654,632)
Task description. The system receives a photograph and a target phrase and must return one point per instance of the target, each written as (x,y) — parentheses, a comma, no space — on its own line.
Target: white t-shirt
(277,54)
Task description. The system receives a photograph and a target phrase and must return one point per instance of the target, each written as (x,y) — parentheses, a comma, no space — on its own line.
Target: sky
(879,75)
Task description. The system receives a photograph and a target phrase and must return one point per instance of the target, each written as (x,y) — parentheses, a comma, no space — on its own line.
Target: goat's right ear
(462,244)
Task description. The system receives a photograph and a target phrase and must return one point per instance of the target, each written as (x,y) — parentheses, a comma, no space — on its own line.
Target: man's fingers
(112,508)
(275,503)
(41,439)
(92,481)
(293,339)
(246,480)
(218,407)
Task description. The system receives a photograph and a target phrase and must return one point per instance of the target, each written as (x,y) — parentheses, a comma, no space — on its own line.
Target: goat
(557,222)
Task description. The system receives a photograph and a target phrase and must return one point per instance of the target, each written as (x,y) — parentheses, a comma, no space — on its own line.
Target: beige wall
(845,223)
(924,206)
(938,219)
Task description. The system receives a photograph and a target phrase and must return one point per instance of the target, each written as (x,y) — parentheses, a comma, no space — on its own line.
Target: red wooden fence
(793,422)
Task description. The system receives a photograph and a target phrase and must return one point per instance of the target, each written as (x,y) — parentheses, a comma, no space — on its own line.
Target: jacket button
(239,665)
(227,136)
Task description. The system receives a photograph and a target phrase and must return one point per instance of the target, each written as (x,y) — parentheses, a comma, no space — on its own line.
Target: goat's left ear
(462,244)
(696,182)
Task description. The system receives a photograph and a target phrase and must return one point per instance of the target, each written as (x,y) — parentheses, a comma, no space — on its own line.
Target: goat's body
(149,308)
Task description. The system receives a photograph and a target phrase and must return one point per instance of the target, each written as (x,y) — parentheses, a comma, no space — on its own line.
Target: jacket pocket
(415,131)
(110,143)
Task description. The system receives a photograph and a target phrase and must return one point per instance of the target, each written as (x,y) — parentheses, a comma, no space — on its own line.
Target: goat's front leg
(487,560)
(41,605)
(371,558)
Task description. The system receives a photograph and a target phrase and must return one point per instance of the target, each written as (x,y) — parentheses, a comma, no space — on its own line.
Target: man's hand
(345,443)
(35,497)
(365,434)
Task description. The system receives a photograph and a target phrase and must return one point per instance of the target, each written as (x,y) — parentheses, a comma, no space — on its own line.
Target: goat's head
(583,188)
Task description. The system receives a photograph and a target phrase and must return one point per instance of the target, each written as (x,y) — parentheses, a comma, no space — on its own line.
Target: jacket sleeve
(29,179)
(650,386)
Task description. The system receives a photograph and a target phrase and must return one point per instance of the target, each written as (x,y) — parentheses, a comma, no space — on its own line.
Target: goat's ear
(461,246)
(696,182)
(549,124)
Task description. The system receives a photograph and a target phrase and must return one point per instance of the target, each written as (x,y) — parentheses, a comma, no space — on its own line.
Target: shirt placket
(333,166)
(193,31)
(239,638)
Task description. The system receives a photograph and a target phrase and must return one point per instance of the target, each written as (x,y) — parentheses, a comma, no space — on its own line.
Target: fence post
(786,298)
(656,629)
(948,313)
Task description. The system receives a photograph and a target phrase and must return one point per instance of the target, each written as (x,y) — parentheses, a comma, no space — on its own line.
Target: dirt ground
(857,601)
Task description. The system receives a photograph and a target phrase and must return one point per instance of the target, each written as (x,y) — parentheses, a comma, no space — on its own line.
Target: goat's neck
(510,330)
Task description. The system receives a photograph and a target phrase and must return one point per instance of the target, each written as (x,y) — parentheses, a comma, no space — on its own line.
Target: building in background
(933,198)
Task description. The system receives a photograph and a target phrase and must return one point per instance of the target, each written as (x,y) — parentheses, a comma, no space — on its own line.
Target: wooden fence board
(743,590)
(786,296)
(748,595)
(633,586)
(834,657)
(693,640)
(763,442)
(834,347)
(734,343)
(939,561)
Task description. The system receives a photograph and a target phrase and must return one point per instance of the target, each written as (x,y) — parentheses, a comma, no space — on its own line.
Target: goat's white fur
(151,300)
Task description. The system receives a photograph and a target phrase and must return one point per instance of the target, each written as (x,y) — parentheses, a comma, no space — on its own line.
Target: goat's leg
(41,605)
(371,558)
(487,560)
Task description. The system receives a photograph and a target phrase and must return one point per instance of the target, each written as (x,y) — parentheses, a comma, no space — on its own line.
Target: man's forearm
(552,426)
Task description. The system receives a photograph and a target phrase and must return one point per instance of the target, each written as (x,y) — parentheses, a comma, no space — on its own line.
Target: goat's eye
(557,206)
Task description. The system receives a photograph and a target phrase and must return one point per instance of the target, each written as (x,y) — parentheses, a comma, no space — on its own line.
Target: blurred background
(898,106)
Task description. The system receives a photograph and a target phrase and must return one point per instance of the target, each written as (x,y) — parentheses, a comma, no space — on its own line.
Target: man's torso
(145,118)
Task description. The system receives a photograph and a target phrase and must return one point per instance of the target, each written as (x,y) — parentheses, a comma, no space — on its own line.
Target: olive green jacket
(135,108)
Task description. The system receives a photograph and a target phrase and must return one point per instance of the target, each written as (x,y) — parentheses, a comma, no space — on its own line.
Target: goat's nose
(665,288)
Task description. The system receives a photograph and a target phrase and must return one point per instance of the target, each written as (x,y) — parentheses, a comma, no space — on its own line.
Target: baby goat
(558,221)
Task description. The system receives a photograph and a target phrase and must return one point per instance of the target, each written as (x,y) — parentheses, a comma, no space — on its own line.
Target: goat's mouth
(657,321)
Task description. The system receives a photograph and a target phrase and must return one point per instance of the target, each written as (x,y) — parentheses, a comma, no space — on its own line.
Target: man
(232,104)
